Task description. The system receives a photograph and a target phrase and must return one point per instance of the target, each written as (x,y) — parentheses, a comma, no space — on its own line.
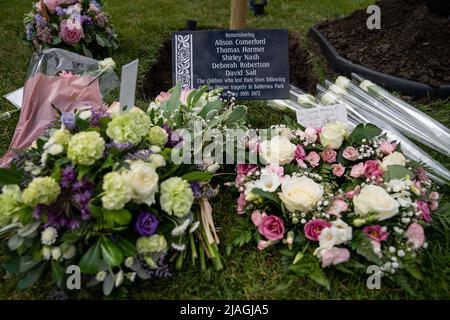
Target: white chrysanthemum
(46,254)
(56,253)
(70,252)
(48,236)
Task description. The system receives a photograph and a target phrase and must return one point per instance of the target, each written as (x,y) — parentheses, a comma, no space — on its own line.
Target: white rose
(300,193)
(342,82)
(55,149)
(328,238)
(157,160)
(85,115)
(337,89)
(268,182)
(107,63)
(365,85)
(344,231)
(374,199)
(143,180)
(395,158)
(306,99)
(279,150)
(328,98)
(332,135)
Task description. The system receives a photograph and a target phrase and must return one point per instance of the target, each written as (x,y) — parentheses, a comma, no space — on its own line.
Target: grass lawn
(142,26)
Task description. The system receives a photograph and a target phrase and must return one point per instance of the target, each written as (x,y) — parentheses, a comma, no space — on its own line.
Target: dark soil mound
(159,77)
(413,43)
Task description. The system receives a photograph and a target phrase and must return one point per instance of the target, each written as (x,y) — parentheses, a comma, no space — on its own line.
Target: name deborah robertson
(240,65)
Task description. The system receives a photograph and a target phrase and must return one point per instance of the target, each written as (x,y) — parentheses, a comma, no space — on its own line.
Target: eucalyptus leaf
(15,242)
(108,285)
(31,277)
(28,229)
(236,115)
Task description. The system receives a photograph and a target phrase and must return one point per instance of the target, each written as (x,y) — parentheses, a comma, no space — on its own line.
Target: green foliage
(198,176)
(362,132)
(271,196)
(397,172)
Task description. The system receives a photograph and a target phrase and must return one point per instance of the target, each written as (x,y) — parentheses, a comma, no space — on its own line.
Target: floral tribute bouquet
(329,198)
(81,26)
(100,192)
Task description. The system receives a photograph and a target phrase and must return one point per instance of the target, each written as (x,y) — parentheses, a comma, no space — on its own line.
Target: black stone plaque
(251,64)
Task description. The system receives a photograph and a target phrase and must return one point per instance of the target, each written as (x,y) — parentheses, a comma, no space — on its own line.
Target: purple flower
(60,11)
(146,224)
(68,120)
(96,116)
(141,155)
(196,189)
(96,4)
(119,146)
(86,20)
(29,31)
(39,20)
(68,176)
(173,138)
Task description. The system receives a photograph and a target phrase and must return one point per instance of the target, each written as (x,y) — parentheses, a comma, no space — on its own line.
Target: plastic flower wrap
(101,189)
(348,203)
(80,26)
(59,82)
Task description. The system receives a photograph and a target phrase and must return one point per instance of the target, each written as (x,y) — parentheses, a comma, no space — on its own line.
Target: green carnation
(61,137)
(176,196)
(157,136)
(153,244)
(10,201)
(129,127)
(117,191)
(85,148)
(43,190)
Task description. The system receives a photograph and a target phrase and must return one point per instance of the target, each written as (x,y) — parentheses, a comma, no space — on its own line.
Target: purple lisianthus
(146,224)
(119,146)
(86,20)
(96,116)
(39,20)
(196,189)
(173,138)
(60,11)
(68,120)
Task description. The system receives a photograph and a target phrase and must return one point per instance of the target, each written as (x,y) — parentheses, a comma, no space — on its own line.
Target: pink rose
(434,203)
(300,153)
(257,217)
(376,233)
(372,168)
(350,194)
(310,135)
(164,96)
(329,155)
(274,169)
(245,169)
(313,158)
(377,248)
(71,31)
(424,210)
(338,169)
(421,174)
(338,207)
(262,244)
(386,147)
(350,153)
(313,228)
(334,256)
(51,5)
(271,227)
(415,235)
(241,203)
(253,144)
(357,170)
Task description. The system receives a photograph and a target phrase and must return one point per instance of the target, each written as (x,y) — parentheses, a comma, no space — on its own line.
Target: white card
(318,117)
(128,85)
(15,97)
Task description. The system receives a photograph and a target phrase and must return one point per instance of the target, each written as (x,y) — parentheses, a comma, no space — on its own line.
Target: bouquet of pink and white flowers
(330,198)
(81,26)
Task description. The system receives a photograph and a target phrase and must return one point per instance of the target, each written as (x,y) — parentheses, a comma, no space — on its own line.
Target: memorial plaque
(251,64)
